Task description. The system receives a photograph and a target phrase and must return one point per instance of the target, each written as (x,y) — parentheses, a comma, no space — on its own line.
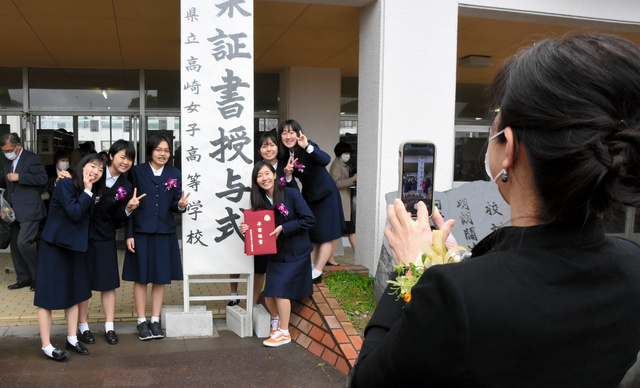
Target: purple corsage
(121,194)
(298,166)
(283,181)
(283,209)
(171,184)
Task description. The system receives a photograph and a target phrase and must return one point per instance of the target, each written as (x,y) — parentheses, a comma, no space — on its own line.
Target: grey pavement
(224,360)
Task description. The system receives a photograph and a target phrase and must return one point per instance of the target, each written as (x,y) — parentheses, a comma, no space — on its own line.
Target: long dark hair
(574,106)
(97,188)
(258,195)
(294,125)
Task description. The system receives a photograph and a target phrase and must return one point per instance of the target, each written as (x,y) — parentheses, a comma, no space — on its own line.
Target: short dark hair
(119,145)
(341,148)
(155,140)
(258,196)
(78,178)
(295,126)
(574,105)
(12,138)
(60,154)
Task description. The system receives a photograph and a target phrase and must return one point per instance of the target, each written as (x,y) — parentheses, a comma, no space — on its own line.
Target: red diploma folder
(257,240)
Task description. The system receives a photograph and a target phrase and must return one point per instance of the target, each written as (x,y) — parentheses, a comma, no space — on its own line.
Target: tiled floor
(16,306)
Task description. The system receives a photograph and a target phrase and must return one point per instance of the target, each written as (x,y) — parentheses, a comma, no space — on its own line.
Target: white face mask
(487,168)
(63,166)
(345,157)
(10,155)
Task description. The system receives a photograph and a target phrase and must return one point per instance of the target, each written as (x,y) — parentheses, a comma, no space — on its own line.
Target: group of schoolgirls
(78,251)
(308,223)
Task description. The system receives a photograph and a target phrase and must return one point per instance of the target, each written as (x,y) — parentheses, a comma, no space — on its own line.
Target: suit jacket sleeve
(422,344)
(35,175)
(75,206)
(318,156)
(128,227)
(304,217)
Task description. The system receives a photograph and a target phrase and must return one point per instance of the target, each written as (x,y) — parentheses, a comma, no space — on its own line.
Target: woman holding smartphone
(153,253)
(62,270)
(318,189)
(288,272)
(109,213)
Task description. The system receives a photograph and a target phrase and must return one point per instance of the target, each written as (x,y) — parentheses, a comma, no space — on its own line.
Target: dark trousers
(23,249)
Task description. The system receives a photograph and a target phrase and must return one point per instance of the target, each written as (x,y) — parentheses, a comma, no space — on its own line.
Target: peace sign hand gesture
(134,202)
(184,202)
(288,169)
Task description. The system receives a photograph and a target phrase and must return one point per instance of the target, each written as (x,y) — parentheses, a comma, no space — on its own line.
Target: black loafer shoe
(19,285)
(317,280)
(78,348)
(233,302)
(59,355)
(87,337)
(111,337)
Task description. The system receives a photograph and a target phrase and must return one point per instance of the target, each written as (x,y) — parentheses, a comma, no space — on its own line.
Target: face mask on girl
(63,166)
(345,157)
(487,168)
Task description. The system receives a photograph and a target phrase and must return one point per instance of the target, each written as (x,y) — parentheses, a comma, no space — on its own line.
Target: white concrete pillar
(406,92)
(311,96)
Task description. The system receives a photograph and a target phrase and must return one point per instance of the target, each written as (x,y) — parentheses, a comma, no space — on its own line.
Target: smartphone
(417,167)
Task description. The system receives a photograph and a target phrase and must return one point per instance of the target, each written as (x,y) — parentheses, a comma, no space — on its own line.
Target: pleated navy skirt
(62,279)
(329,218)
(157,259)
(289,279)
(102,265)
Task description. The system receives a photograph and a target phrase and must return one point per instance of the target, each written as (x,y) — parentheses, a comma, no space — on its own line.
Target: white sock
(285,332)
(143,319)
(274,323)
(49,350)
(83,327)
(235,294)
(155,319)
(108,326)
(315,273)
(72,340)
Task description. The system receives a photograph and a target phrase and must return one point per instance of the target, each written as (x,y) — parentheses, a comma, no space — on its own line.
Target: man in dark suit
(23,176)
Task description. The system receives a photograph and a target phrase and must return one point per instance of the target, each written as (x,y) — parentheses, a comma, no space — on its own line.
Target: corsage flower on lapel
(283,209)
(171,184)
(283,181)
(121,194)
(96,200)
(299,166)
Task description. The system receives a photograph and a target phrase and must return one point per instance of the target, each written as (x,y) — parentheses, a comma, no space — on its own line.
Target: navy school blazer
(109,213)
(293,243)
(68,223)
(155,213)
(315,179)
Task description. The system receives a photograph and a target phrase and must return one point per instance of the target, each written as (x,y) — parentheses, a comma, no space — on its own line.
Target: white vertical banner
(216,72)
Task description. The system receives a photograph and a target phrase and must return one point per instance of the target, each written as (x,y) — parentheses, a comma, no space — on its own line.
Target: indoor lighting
(105,94)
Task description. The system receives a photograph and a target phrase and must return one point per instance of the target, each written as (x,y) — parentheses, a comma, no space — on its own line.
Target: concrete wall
(407,91)
(311,96)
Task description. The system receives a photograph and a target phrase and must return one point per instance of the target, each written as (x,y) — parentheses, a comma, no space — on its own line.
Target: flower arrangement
(171,184)
(432,254)
(283,181)
(299,166)
(283,209)
(121,194)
